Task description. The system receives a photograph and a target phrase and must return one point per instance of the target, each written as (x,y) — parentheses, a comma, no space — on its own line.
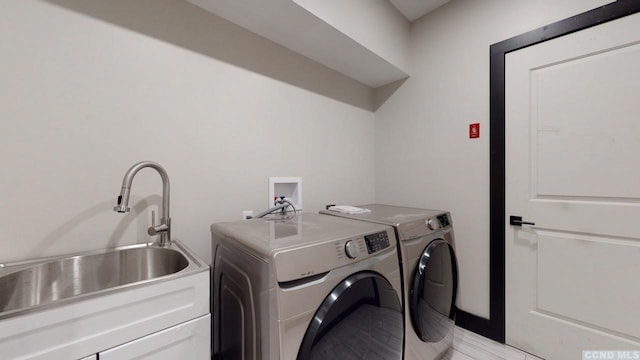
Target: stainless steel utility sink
(49,282)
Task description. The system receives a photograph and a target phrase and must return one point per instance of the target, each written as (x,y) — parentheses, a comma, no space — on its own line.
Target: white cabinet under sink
(164,316)
(190,340)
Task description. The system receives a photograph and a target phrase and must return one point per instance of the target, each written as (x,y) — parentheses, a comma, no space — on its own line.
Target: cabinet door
(189,340)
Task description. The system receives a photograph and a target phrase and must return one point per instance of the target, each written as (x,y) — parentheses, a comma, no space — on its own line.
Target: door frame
(494,327)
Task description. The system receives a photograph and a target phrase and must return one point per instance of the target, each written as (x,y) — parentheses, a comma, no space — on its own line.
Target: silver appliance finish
(426,245)
(273,278)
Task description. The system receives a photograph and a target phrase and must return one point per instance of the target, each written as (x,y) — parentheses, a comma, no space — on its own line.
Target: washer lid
(410,222)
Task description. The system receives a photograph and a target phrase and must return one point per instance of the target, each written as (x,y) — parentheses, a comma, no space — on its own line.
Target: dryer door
(361,318)
(433,292)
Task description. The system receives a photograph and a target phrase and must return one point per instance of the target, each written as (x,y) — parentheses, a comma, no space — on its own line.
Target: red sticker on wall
(474,131)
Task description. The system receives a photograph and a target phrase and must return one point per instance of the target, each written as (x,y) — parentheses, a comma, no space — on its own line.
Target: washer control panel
(376,242)
(300,262)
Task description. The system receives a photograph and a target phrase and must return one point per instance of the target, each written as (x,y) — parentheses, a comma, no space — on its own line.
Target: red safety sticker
(474,131)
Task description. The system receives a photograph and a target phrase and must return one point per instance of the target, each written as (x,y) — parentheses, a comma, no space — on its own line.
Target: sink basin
(35,285)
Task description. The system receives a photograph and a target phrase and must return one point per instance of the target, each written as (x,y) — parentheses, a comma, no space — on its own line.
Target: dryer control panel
(444,220)
(425,226)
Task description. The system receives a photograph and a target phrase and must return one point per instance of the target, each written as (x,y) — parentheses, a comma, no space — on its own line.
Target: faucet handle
(156,229)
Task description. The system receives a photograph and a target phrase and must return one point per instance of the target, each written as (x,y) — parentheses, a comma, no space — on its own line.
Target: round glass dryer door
(360,319)
(433,292)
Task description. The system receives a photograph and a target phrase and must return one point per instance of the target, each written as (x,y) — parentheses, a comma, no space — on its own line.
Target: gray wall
(91,87)
(424,157)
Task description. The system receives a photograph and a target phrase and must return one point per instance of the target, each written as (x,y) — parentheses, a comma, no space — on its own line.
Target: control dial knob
(433,224)
(351,249)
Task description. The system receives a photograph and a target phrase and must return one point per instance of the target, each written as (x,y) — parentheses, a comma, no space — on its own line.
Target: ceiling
(414,9)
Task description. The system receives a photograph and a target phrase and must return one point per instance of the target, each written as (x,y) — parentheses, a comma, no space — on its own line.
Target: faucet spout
(122,206)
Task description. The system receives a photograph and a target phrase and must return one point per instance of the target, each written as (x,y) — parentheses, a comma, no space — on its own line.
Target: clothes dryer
(304,287)
(430,274)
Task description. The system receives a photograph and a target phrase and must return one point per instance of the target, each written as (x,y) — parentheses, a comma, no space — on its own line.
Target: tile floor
(471,346)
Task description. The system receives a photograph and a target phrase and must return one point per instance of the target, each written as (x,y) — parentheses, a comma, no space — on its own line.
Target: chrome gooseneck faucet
(164,228)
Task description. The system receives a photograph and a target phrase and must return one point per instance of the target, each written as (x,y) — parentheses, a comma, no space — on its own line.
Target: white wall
(375,24)
(91,87)
(424,157)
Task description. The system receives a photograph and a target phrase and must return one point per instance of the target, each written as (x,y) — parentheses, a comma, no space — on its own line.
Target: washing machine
(306,286)
(429,271)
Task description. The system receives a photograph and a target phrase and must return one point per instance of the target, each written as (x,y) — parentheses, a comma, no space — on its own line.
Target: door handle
(517,221)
